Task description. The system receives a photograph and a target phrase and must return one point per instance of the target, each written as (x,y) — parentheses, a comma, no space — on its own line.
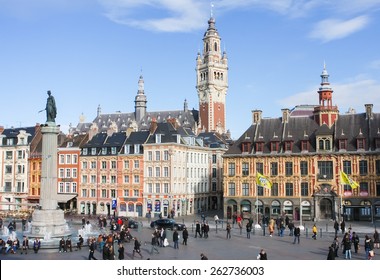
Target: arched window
(215,47)
(321,145)
(206,47)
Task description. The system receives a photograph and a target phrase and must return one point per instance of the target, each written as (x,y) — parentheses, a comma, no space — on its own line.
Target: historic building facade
(303,153)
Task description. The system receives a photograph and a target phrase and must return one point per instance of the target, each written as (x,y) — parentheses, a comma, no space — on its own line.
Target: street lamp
(300,190)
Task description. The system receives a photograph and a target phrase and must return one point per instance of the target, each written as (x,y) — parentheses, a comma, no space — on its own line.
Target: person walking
(271,227)
(331,254)
(91,250)
(376,240)
(336,227)
(120,251)
(368,246)
(162,237)
(228,228)
(355,239)
(347,244)
(185,236)
(335,245)
(315,232)
(136,248)
(154,243)
(175,239)
(249,228)
(297,233)
(198,229)
(343,226)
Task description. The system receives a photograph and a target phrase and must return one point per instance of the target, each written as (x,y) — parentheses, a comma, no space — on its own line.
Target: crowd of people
(111,245)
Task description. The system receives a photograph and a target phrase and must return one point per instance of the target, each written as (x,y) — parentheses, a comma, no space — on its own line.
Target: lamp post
(300,190)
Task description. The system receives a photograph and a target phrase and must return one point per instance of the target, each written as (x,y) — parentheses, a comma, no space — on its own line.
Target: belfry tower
(212,82)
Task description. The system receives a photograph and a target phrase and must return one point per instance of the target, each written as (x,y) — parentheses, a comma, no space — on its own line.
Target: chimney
(173,122)
(153,126)
(1,129)
(368,111)
(285,115)
(256,116)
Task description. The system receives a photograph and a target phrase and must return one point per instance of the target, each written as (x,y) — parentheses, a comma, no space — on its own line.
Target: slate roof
(348,126)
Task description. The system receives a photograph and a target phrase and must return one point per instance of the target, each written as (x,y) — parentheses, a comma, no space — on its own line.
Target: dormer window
(260,147)
(304,146)
(360,143)
(245,147)
(84,151)
(377,143)
(127,149)
(288,146)
(274,146)
(104,151)
(343,144)
(324,144)
(158,138)
(137,148)
(93,151)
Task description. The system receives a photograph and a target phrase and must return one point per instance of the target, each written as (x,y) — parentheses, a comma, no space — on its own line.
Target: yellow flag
(263,181)
(348,181)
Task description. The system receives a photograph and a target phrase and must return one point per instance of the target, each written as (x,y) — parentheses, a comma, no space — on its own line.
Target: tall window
(377,166)
(245,189)
(166,155)
(158,155)
(158,172)
(325,169)
(231,189)
(274,189)
(347,167)
(260,167)
(288,168)
(245,169)
(273,168)
(289,189)
(304,168)
(213,158)
(166,171)
(260,191)
(304,189)
(363,167)
(231,169)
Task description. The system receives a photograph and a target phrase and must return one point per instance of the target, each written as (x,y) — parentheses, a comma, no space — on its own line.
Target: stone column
(48,198)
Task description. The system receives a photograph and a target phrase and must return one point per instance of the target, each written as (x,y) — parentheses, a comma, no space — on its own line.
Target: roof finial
(212,7)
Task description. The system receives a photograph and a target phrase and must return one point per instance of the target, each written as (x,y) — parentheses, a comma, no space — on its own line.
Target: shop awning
(63,198)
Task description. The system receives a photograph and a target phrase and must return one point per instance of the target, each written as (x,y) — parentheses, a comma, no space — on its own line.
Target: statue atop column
(51,109)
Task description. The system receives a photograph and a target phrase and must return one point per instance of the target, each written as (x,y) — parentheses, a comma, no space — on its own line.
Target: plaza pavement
(217,247)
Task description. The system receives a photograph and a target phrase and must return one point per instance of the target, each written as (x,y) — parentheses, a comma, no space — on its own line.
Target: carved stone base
(49,223)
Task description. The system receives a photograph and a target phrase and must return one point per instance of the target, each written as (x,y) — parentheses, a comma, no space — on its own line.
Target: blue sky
(91,52)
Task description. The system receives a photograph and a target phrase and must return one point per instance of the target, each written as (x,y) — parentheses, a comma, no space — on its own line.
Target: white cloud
(375,64)
(332,29)
(354,95)
(175,15)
